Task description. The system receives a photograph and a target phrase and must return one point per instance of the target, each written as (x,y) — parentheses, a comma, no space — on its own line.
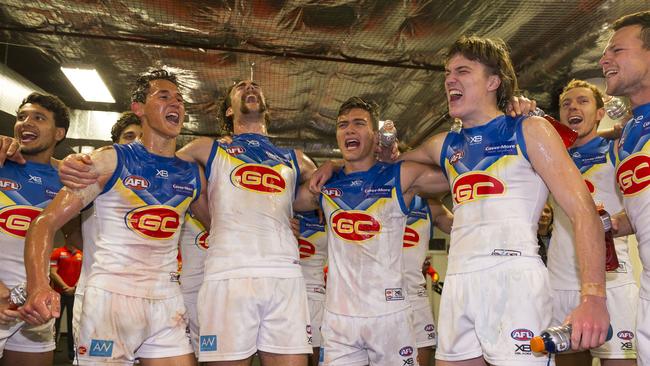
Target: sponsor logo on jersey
(355,226)
(253,143)
(153,222)
(590,186)
(633,174)
(35,179)
(306,248)
(522,334)
(258,178)
(201,240)
(15,220)
(8,185)
(411,238)
(501,149)
(235,150)
(394,294)
(383,191)
(101,348)
(332,192)
(208,343)
(505,253)
(473,140)
(162,173)
(136,182)
(625,335)
(183,189)
(472,186)
(456,156)
(406,351)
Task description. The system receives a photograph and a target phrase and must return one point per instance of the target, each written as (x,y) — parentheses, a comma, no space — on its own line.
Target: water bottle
(17,296)
(456,126)
(568,135)
(616,108)
(611,259)
(387,134)
(557,339)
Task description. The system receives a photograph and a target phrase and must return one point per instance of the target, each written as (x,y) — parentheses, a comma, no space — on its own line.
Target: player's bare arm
(443,219)
(427,153)
(306,200)
(200,208)
(197,151)
(306,166)
(550,160)
(421,179)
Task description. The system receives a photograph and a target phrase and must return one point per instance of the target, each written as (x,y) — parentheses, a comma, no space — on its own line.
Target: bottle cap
(537,344)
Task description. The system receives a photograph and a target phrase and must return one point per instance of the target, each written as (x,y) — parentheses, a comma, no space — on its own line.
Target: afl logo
(15,220)
(456,156)
(355,225)
(136,182)
(235,150)
(201,240)
(411,238)
(633,174)
(8,185)
(306,248)
(590,186)
(153,222)
(406,351)
(471,186)
(522,334)
(625,335)
(332,192)
(429,328)
(258,178)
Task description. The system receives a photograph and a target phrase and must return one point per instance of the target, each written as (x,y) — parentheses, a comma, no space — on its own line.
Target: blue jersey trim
(197,176)
(443,152)
(297,183)
(397,171)
(428,210)
(519,136)
(118,169)
(213,153)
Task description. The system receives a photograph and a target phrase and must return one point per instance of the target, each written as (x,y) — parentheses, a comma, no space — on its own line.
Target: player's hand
(69,290)
(590,323)
(10,149)
(76,171)
(321,175)
(387,154)
(520,106)
(7,316)
(42,304)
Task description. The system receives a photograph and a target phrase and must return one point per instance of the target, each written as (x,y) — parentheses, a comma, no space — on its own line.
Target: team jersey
(193,245)
(252,185)
(139,215)
(417,234)
(89,235)
(633,177)
(497,195)
(595,160)
(25,190)
(366,215)
(313,253)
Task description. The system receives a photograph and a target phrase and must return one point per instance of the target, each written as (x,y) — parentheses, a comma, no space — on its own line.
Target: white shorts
(382,340)
(621,304)
(643,332)
(241,315)
(494,313)
(316,310)
(117,329)
(192,322)
(76,316)
(425,330)
(22,337)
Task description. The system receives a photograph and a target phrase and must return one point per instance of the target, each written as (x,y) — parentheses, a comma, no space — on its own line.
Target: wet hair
(369,106)
(575,83)
(642,19)
(53,104)
(142,84)
(228,123)
(126,119)
(494,55)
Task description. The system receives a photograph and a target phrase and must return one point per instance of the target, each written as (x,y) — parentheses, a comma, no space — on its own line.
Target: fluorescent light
(89,84)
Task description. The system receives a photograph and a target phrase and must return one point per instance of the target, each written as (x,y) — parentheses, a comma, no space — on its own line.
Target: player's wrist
(593,290)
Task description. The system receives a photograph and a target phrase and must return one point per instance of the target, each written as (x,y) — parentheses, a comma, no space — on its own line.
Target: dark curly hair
(357,102)
(126,119)
(53,104)
(142,84)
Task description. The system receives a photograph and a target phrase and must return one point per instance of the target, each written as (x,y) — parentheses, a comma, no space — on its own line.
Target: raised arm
(550,160)
(197,151)
(441,216)
(421,179)
(200,207)
(306,200)
(306,166)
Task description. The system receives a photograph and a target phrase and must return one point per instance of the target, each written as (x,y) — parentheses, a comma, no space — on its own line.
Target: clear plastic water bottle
(387,134)
(456,126)
(616,108)
(557,339)
(17,296)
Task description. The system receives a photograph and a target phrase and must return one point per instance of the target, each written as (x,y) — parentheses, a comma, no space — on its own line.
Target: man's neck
(250,125)
(480,117)
(44,157)
(641,97)
(359,165)
(159,145)
(580,141)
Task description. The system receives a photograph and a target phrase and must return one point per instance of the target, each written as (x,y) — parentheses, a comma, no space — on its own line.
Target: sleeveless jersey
(313,253)
(595,160)
(193,245)
(89,234)
(418,232)
(497,195)
(252,185)
(25,190)
(139,216)
(366,215)
(633,177)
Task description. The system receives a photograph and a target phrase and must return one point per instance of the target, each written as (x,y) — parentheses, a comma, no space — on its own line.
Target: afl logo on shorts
(153,222)
(472,186)
(590,186)
(522,334)
(15,220)
(306,248)
(625,335)
(136,182)
(355,225)
(258,178)
(8,185)
(201,240)
(411,238)
(406,351)
(633,174)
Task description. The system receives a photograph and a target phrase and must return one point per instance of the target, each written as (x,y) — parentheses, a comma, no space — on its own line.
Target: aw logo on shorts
(208,343)
(136,182)
(8,185)
(590,186)
(100,348)
(15,220)
(201,240)
(411,238)
(306,248)
(153,222)
(472,186)
(633,174)
(258,178)
(355,226)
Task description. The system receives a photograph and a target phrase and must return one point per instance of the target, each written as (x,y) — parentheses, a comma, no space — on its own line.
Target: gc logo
(15,220)
(258,178)
(471,186)
(355,226)
(153,222)
(633,174)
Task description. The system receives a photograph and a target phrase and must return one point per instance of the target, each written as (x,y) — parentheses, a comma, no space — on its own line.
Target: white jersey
(252,185)
(497,196)
(366,215)
(595,160)
(139,216)
(417,234)
(313,253)
(89,235)
(193,245)
(633,176)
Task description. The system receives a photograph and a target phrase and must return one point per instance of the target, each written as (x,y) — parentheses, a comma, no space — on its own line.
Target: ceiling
(309,56)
